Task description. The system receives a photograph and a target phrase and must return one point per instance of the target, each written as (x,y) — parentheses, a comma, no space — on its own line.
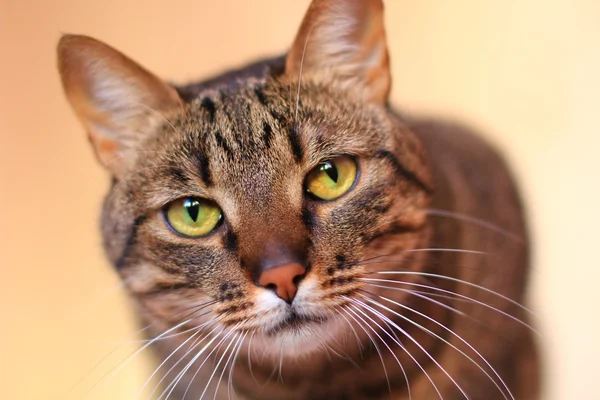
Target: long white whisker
(366,306)
(132,356)
(156,112)
(444,340)
(193,360)
(193,346)
(238,341)
(216,367)
(195,308)
(249,361)
(169,336)
(429,274)
(180,375)
(300,74)
(280,377)
(198,331)
(423,295)
(440,296)
(358,342)
(420,250)
(231,369)
(376,346)
(475,221)
(391,351)
(455,294)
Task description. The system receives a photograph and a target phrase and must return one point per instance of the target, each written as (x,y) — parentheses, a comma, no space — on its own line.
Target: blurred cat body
(407,284)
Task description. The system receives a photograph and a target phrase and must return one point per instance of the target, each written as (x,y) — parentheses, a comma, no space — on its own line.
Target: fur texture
(423,261)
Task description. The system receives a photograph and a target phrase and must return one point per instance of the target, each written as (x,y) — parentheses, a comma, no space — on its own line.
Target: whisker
(358,342)
(169,336)
(426,296)
(195,308)
(407,353)
(280,377)
(475,221)
(377,348)
(188,366)
(440,296)
(383,317)
(444,340)
(192,346)
(216,367)
(459,295)
(249,361)
(156,112)
(420,250)
(423,295)
(429,274)
(175,381)
(131,357)
(300,74)
(101,297)
(117,158)
(343,355)
(230,387)
(195,358)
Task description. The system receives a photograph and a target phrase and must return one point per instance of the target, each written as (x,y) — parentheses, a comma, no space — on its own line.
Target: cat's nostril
(297,279)
(271,286)
(283,280)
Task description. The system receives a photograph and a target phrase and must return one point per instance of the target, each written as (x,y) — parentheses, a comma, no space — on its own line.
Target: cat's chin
(297,337)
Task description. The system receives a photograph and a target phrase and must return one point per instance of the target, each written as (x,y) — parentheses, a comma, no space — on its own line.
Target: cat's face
(254,206)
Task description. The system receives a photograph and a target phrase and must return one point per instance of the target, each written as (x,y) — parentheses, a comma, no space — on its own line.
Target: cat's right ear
(116,99)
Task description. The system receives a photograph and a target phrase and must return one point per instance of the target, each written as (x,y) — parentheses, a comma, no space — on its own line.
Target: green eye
(331,179)
(193,217)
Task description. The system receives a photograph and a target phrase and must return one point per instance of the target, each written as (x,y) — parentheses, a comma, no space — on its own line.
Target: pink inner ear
(343,42)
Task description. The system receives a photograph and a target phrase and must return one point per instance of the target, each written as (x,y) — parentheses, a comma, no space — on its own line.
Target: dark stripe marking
(162,287)
(231,241)
(267,134)
(403,172)
(178,175)
(209,105)
(277,116)
(308,218)
(130,242)
(223,144)
(295,143)
(204,169)
(260,95)
(396,229)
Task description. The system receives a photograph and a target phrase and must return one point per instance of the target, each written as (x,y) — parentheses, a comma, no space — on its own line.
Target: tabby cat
(286,234)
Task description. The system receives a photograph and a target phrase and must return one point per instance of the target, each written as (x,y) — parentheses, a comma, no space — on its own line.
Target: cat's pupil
(193,209)
(330,170)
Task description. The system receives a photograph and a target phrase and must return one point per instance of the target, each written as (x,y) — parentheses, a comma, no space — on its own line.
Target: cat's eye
(193,216)
(331,179)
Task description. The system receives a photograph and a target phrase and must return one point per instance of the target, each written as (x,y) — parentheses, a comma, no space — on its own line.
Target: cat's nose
(283,280)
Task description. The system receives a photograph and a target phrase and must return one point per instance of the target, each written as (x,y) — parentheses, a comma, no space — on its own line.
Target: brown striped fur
(246,140)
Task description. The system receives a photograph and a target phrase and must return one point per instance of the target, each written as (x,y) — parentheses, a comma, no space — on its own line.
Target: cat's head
(257,203)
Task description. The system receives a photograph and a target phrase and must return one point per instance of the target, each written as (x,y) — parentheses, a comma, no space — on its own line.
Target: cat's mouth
(295,322)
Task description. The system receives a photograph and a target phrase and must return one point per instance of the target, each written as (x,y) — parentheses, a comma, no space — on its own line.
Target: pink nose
(283,280)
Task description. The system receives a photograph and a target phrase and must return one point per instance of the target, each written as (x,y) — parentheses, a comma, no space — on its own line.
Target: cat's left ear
(343,41)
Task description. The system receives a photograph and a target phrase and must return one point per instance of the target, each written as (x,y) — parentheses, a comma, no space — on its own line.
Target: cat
(286,234)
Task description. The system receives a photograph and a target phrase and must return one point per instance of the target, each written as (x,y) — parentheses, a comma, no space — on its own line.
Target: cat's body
(470,179)
(431,205)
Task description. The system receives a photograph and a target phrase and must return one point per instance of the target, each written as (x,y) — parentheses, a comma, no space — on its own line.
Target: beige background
(524,71)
